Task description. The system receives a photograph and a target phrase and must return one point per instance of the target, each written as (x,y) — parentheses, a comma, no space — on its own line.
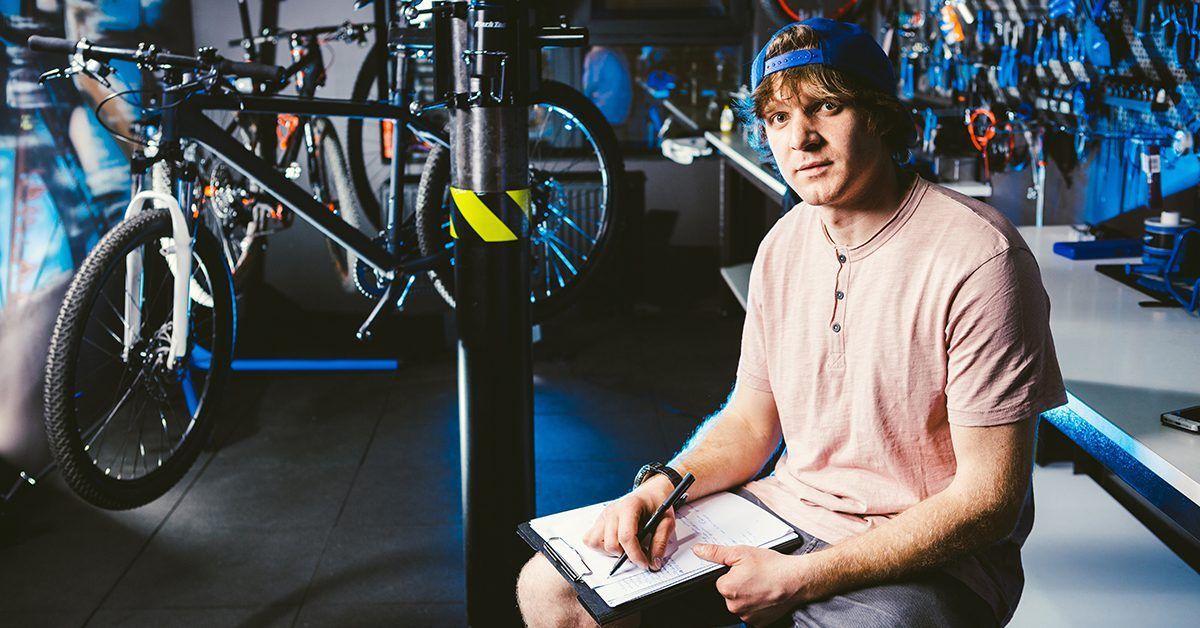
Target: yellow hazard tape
(522,199)
(484,220)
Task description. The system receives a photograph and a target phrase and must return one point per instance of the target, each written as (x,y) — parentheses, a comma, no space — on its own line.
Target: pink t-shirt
(872,351)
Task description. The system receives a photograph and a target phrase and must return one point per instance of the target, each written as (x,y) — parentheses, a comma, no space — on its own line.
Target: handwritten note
(721,519)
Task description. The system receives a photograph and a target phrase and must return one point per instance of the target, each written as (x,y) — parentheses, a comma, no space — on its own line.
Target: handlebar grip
(51,44)
(257,71)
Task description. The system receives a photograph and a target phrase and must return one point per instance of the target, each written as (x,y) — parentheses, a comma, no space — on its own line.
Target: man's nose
(803,135)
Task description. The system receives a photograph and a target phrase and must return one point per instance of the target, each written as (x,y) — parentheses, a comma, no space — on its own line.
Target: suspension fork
(178,203)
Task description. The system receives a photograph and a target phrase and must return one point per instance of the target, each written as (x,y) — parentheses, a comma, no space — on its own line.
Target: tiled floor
(333,500)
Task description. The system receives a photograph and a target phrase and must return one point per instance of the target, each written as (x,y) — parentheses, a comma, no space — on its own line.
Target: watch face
(642,474)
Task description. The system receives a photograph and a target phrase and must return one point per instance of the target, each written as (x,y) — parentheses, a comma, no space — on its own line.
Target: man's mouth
(814,167)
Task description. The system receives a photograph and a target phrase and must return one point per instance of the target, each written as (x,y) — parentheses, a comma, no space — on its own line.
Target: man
(897,341)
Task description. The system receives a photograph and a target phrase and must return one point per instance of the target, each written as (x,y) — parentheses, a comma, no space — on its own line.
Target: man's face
(824,149)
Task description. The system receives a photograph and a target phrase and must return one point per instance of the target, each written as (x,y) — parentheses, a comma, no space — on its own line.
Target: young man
(897,340)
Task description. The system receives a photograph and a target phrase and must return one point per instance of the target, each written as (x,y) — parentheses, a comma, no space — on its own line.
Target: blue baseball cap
(842,45)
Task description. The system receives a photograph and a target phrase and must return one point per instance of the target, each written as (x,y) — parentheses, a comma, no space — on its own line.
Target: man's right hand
(616,528)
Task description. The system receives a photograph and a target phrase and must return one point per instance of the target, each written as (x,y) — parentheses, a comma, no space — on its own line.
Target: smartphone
(1187,419)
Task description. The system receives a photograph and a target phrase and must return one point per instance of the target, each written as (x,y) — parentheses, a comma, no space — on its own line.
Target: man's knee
(545,597)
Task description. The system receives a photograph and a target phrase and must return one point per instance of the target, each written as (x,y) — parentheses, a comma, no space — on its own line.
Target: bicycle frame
(184,119)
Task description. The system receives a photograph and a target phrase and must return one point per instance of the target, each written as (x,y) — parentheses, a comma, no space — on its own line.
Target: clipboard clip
(556,557)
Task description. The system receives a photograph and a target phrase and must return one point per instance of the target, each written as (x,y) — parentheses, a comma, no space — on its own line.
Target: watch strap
(657,468)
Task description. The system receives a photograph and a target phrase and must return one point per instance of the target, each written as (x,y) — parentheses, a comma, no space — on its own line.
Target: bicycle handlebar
(153,56)
(51,44)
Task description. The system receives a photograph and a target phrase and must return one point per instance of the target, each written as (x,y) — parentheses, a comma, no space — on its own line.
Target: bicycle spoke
(96,369)
(555,239)
(558,252)
(112,306)
(125,439)
(102,349)
(108,419)
(571,223)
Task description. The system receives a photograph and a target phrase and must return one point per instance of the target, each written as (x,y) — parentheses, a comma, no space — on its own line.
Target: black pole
(490,221)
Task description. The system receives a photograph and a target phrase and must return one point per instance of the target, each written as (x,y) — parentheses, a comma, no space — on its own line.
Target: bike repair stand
(490,223)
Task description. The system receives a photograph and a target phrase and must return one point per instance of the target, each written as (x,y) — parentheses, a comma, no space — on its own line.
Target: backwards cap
(840,45)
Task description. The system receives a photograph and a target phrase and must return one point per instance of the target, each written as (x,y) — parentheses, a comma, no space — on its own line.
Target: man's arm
(728,449)
(979,507)
(732,445)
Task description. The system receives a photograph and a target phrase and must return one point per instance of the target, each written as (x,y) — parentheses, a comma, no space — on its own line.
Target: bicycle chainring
(369,282)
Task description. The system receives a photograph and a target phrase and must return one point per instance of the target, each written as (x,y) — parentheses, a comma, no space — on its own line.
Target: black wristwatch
(656,468)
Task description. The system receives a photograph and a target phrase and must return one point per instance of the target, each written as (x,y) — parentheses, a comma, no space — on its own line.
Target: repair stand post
(490,221)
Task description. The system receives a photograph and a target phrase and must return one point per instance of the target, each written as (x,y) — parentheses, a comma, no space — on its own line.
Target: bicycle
(576,166)
(243,216)
(135,369)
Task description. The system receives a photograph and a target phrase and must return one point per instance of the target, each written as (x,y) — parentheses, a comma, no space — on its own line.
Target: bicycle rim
(570,184)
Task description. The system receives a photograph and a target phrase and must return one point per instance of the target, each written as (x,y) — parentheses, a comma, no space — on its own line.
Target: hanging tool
(1143,16)
(985,29)
(981,127)
(907,90)
(929,131)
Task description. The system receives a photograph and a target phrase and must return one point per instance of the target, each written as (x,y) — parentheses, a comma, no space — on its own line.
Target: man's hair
(885,115)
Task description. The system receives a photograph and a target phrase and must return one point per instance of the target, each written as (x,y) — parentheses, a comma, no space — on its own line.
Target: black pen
(675,497)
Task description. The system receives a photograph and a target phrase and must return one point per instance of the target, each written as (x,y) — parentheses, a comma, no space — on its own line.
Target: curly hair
(885,115)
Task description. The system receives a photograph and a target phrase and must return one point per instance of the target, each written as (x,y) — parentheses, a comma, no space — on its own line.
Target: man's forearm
(725,452)
(942,527)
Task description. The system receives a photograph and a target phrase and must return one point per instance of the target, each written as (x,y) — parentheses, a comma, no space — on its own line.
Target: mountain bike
(144,338)
(243,215)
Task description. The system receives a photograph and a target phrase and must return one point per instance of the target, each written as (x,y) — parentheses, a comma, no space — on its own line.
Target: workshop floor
(333,500)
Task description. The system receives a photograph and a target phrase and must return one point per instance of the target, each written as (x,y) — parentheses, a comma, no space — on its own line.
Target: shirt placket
(837,323)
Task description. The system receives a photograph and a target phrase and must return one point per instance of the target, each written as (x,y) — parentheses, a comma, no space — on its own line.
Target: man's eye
(830,106)
(778,118)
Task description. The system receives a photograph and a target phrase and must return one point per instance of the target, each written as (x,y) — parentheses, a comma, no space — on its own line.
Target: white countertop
(1123,364)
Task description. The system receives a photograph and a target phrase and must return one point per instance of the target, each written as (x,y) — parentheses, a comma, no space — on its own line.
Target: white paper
(720,519)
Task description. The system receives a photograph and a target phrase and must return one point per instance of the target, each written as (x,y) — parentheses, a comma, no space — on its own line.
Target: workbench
(1124,364)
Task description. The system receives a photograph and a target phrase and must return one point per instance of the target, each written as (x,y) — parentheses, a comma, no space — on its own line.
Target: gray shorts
(929,599)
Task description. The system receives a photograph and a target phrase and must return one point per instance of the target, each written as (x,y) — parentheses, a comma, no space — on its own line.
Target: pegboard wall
(1083,84)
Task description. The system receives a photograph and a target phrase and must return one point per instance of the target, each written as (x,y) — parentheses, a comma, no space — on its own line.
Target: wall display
(1075,82)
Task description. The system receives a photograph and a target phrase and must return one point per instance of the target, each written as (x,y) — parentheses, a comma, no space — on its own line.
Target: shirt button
(836,328)
(840,295)
(841,258)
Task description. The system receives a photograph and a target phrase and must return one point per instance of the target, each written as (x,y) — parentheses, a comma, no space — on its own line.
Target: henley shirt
(871,352)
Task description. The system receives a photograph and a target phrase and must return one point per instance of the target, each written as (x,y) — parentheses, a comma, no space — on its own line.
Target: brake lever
(93,69)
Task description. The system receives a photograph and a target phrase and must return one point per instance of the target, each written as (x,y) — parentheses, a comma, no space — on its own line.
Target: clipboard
(595,605)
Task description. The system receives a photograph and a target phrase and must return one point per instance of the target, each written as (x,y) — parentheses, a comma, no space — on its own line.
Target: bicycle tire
(432,211)
(367,200)
(332,159)
(66,399)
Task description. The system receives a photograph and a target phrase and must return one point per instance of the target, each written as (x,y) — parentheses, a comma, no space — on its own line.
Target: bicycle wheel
(369,165)
(122,425)
(334,181)
(575,171)
(368,144)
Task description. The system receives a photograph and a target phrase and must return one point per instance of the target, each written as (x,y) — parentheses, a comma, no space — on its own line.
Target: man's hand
(762,585)
(616,528)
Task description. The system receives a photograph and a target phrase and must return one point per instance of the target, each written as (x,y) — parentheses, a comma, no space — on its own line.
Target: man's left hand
(762,585)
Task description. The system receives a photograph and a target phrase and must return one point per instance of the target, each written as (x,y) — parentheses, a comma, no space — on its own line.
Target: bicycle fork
(179,260)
